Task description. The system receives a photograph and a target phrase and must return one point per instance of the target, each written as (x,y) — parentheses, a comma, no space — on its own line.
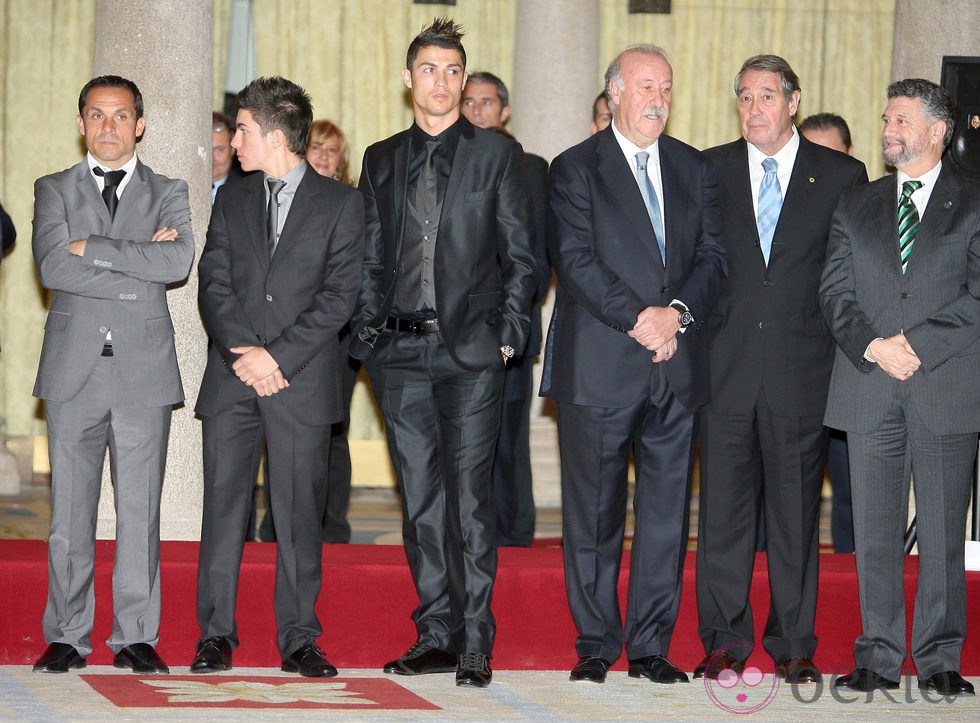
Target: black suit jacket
(8,234)
(293,305)
(936,303)
(484,266)
(602,248)
(767,328)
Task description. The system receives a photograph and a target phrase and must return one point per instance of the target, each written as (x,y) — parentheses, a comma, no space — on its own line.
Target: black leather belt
(415,326)
(107,349)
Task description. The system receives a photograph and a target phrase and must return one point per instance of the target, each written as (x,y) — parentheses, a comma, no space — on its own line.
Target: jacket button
(103,330)
(767,282)
(268,297)
(906,295)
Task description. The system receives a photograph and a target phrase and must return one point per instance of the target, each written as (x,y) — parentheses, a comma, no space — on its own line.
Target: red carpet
(367,597)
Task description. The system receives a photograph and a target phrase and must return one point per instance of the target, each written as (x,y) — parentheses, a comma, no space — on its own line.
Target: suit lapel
(674,179)
(464,149)
(299,214)
(254,215)
(935,222)
(615,172)
(90,192)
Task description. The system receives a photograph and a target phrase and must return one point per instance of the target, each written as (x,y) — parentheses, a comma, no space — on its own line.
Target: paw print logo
(742,693)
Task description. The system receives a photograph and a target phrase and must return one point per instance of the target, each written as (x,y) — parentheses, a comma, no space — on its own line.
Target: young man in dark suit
(278,279)
(635,244)
(762,434)
(901,292)
(448,281)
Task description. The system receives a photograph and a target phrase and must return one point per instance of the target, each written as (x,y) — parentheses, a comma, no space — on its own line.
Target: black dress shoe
(473,669)
(715,662)
(947,683)
(309,661)
(142,658)
(420,659)
(590,668)
(799,670)
(658,669)
(213,655)
(59,658)
(865,680)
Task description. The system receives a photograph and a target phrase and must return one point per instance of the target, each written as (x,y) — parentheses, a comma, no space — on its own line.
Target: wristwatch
(684,316)
(507,351)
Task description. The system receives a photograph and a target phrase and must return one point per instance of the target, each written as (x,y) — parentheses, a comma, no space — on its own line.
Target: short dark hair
(826,122)
(111,81)
(482,76)
(789,80)
(937,103)
(279,104)
(443,33)
(220,120)
(604,95)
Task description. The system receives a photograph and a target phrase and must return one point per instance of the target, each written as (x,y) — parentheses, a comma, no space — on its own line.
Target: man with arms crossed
(279,276)
(448,280)
(109,235)
(901,292)
(635,243)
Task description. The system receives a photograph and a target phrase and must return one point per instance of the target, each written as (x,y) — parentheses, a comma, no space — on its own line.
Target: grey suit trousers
(942,469)
(78,432)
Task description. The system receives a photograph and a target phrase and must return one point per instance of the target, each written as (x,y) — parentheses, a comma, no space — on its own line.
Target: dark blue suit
(610,394)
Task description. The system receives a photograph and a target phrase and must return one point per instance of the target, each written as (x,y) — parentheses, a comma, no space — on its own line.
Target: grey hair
(937,103)
(614,73)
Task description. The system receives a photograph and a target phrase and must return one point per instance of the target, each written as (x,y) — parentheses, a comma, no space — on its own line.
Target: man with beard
(901,293)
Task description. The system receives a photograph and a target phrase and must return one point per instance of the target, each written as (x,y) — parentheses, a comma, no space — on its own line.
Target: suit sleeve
(954,327)
(849,325)
(162,262)
(333,303)
(515,234)
(571,247)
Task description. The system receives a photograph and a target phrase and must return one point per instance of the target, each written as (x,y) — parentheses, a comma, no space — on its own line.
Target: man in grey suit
(901,293)
(279,276)
(108,372)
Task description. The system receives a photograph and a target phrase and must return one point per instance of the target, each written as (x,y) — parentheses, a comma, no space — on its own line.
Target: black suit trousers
(595,446)
(297,459)
(441,422)
(745,457)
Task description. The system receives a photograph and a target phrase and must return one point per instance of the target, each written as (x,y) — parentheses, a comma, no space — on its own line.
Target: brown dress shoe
(715,662)
(799,670)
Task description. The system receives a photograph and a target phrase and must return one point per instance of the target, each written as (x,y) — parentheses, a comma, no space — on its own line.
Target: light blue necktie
(770,202)
(650,199)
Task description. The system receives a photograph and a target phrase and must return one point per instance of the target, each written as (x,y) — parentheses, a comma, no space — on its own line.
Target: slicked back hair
(789,81)
(279,104)
(112,81)
(826,122)
(482,76)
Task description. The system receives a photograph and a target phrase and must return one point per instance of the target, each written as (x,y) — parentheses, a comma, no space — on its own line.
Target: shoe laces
(420,648)
(472,661)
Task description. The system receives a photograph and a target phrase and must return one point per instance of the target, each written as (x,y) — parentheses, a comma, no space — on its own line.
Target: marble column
(557,74)
(926,30)
(165,47)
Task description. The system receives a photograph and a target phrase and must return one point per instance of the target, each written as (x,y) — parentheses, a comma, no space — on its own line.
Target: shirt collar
(630,149)
(784,157)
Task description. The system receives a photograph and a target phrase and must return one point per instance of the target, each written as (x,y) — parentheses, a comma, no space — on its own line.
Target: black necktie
(112,181)
(425,189)
(275,186)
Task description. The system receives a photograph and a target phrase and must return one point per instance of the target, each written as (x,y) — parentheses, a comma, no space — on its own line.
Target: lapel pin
(948,204)
(812,179)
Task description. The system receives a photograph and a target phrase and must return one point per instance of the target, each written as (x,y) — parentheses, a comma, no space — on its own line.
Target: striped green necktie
(908,221)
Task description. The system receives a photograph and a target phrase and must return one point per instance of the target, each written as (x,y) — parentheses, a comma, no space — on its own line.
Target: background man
(109,235)
(634,241)
(830,130)
(901,292)
(279,276)
(444,304)
(762,435)
(486,104)
(601,114)
(223,167)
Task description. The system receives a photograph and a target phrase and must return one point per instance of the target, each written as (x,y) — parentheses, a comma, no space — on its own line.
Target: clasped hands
(656,330)
(257,369)
(895,357)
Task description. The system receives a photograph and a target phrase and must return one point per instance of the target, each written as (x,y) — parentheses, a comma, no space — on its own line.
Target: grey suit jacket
(118,285)
(294,304)
(937,304)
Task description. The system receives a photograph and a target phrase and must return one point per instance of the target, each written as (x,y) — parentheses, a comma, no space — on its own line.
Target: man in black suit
(224,166)
(635,243)
(762,435)
(278,279)
(448,281)
(486,103)
(901,292)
